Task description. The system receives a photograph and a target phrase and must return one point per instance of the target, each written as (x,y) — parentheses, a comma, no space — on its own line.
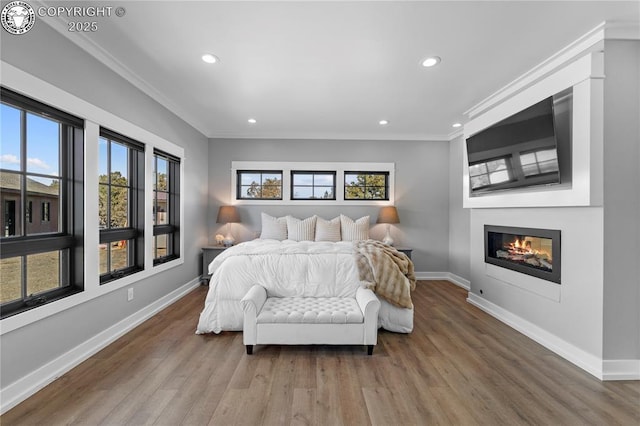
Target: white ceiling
(334,69)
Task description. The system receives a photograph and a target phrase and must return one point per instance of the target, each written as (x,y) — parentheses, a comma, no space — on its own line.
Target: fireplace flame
(522,251)
(523,247)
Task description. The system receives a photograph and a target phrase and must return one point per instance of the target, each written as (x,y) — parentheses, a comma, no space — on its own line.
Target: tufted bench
(310,320)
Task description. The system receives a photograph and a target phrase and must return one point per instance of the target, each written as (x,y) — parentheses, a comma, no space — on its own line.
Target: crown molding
(393,137)
(103,56)
(622,30)
(577,48)
(455,134)
(592,41)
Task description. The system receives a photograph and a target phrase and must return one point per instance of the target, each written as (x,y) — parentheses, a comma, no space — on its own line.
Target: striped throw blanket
(388,272)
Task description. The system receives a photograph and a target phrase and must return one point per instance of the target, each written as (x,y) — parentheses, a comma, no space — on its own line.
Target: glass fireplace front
(531,251)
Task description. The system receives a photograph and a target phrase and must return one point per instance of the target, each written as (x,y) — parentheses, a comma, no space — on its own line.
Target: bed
(296,269)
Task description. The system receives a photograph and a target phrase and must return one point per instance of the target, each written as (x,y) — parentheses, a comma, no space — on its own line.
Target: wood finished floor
(459,367)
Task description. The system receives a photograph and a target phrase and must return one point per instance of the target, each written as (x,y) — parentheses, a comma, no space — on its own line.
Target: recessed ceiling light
(209,58)
(252,121)
(431,61)
(383,122)
(456,125)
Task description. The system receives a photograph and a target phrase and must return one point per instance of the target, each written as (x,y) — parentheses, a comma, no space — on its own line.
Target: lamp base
(387,238)
(228,241)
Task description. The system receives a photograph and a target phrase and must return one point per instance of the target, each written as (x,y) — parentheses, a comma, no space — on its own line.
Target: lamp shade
(388,214)
(228,214)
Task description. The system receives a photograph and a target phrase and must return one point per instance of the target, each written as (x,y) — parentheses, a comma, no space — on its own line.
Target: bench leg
(370,350)
(249,349)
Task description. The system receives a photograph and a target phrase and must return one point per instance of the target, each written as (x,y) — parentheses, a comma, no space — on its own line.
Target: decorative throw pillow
(301,230)
(328,230)
(273,228)
(354,230)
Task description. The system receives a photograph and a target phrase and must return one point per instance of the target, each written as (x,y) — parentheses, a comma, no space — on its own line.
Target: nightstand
(405,250)
(208,254)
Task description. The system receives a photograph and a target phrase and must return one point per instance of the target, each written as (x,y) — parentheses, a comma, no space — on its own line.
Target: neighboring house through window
(46,211)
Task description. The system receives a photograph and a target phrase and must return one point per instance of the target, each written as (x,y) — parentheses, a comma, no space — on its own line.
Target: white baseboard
(617,369)
(588,362)
(621,369)
(459,281)
(20,390)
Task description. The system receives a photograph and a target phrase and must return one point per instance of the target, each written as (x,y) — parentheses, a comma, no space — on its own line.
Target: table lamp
(388,215)
(228,215)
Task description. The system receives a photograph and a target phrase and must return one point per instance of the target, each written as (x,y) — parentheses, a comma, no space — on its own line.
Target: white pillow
(273,228)
(354,230)
(328,230)
(301,230)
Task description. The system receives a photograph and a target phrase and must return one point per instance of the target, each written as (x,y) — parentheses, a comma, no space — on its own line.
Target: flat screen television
(521,150)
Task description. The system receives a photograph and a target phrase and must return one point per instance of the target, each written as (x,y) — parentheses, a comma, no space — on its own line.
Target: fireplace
(531,251)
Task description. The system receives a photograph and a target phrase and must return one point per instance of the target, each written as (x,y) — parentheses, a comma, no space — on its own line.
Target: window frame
(332,173)
(261,172)
(134,232)
(370,172)
(69,237)
(172,228)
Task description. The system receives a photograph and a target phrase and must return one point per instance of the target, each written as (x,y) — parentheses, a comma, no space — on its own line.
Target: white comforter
(285,269)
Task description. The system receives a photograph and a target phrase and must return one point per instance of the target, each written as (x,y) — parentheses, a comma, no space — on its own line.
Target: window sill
(24,307)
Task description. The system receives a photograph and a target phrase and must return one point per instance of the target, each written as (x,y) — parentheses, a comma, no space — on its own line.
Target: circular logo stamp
(18,17)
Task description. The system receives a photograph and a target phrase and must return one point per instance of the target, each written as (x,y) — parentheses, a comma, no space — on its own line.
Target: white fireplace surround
(570,319)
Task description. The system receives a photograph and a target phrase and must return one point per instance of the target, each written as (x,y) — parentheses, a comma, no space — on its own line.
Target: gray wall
(622,200)
(46,54)
(421,189)
(459,217)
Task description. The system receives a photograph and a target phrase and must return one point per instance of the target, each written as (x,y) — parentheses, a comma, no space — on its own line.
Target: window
(366,185)
(259,185)
(539,162)
(489,173)
(166,207)
(311,185)
(41,162)
(121,205)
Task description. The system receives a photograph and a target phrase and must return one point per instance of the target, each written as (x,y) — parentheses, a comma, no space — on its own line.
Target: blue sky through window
(119,158)
(43,147)
(10,146)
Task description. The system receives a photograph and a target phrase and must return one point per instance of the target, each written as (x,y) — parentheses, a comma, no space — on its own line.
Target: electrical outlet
(130,295)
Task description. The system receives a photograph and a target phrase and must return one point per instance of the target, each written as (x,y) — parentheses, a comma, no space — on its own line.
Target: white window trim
(40,90)
(287,166)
